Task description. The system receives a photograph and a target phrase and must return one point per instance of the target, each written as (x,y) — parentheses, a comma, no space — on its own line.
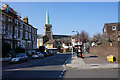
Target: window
(30,36)
(21,34)
(119,33)
(113,28)
(16,32)
(104,29)
(49,44)
(3,28)
(3,17)
(21,25)
(9,31)
(26,35)
(9,19)
(26,28)
(15,21)
(29,29)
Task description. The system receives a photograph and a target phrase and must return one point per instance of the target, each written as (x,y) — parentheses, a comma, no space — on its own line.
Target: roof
(60,36)
(50,41)
(67,41)
(111,24)
(39,36)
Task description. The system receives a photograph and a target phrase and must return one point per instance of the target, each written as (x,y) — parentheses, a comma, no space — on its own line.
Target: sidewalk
(5,59)
(90,61)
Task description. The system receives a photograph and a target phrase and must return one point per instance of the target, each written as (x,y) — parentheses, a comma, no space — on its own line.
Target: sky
(68,16)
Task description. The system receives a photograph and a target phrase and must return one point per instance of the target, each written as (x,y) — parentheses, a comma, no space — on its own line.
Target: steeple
(47,17)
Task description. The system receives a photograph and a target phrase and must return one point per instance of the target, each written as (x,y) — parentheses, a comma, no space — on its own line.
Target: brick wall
(105,50)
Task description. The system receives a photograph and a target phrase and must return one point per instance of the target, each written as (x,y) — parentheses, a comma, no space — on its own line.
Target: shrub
(41,49)
(19,50)
(5,48)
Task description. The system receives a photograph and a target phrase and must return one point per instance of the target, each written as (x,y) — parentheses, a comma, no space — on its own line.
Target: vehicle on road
(38,55)
(45,54)
(52,51)
(20,57)
(41,54)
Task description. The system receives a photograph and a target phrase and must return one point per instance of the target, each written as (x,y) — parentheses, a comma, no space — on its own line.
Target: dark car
(45,54)
(50,52)
(20,57)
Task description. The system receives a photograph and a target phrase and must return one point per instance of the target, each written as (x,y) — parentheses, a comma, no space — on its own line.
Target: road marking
(60,76)
(67,60)
(62,73)
(63,70)
(95,67)
(12,69)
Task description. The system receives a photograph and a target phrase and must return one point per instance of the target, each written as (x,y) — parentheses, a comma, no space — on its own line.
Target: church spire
(47,17)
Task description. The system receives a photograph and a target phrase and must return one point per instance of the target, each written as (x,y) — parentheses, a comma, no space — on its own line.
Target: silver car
(20,57)
(37,55)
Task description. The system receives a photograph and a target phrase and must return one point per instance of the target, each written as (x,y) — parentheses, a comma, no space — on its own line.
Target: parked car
(20,57)
(55,51)
(50,52)
(30,52)
(45,54)
(37,55)
(41,54)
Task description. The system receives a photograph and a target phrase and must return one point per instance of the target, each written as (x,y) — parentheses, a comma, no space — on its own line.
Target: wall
(105,50)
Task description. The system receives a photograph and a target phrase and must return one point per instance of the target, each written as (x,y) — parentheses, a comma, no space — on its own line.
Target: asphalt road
(51,68)
(48,67)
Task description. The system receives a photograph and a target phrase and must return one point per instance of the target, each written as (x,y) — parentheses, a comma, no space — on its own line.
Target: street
(52,68)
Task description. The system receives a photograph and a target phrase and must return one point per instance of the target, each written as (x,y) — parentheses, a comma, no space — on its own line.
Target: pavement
(90,61)
(5,59)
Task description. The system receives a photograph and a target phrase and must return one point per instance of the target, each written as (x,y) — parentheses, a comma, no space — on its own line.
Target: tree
(42,49)
(59,48)
(5,48)
(97,37)
(84,36)
(19,50)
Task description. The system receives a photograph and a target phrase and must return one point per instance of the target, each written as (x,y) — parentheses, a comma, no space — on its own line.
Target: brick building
(112,31)
(17,32)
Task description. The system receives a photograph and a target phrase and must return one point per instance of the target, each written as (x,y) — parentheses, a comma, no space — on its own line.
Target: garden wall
(105,50)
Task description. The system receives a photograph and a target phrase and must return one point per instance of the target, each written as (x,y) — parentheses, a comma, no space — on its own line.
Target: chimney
(25,19)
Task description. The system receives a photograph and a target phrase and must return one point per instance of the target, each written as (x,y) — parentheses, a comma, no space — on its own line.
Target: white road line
(67,60)
(62,72)
(60,76)
(95,67)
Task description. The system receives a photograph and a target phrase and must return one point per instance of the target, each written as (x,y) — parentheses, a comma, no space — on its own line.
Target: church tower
(48,28)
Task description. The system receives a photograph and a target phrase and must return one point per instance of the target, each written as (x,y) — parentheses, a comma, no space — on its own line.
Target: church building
(53,41)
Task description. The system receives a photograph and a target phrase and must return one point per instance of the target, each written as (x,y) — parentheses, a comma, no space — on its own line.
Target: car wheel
(19,61)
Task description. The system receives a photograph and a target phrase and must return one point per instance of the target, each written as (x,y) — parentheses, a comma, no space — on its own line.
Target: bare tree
(97,37)
(82,37)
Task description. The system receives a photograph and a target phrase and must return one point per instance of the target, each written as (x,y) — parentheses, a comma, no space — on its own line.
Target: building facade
(112,31)
(39,41)
(17,32)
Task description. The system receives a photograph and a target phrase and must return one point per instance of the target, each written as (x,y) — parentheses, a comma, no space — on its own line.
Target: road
(52,68)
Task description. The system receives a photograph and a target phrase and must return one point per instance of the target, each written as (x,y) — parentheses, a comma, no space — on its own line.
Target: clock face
(48,29)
